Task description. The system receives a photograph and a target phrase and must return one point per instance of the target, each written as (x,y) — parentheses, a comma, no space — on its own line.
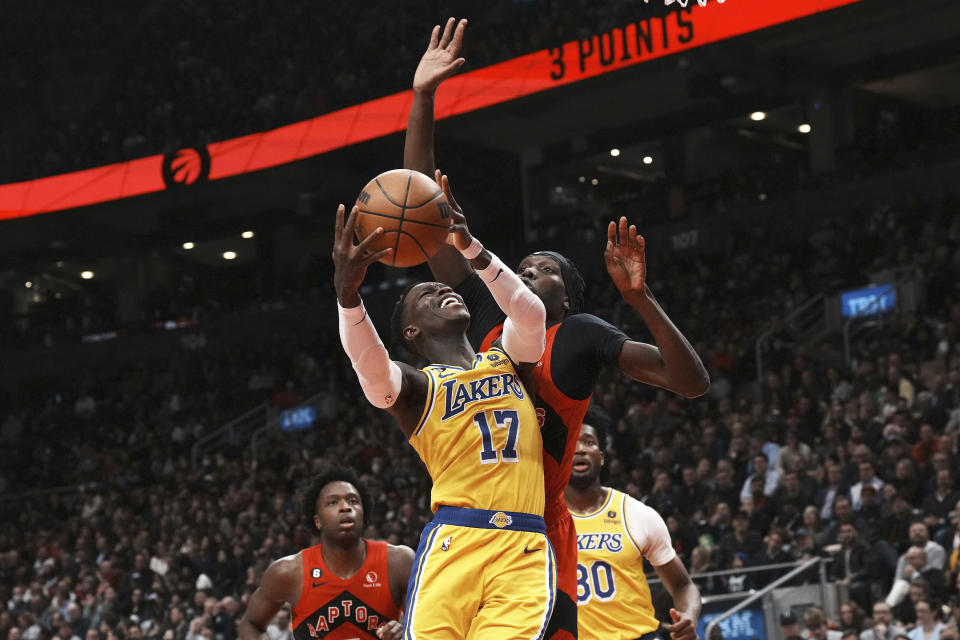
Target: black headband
(572,280)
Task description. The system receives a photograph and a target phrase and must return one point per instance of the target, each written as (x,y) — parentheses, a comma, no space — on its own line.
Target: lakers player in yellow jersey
(614,534)
(484,568)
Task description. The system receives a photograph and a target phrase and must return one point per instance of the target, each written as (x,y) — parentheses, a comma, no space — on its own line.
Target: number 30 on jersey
(595,582)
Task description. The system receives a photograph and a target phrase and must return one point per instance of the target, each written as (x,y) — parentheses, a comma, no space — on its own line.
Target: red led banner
(637,42)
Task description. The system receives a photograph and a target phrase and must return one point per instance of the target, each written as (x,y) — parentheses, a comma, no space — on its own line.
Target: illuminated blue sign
(297,419)
(747,624)
(866,302)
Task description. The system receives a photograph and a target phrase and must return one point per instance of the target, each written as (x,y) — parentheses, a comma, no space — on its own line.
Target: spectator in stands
(762,471)
(789,626)
(817,627)
(854,566)
(928,621)
(792,451)
(843,513)
(884,627)
(867,476)
(834,487)
(851,617)
(938,506)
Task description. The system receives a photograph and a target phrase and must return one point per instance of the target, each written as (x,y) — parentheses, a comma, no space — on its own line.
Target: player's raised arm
(440,61)
(672,364)
(387,384)
(524,331)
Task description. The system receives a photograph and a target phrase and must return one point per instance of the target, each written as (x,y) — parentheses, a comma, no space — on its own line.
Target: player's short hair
(600,421)
(337,474)
(572,280)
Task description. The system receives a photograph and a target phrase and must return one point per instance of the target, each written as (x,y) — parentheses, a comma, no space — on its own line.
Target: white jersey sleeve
(649,532)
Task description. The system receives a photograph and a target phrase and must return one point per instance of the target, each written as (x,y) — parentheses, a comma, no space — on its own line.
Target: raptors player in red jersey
(578,344)
(346,587)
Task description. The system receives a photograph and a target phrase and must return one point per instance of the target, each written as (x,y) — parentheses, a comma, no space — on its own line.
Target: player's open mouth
(450,300)
(581,466)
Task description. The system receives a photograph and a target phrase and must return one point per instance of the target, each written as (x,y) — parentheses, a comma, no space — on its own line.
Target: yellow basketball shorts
(481,575)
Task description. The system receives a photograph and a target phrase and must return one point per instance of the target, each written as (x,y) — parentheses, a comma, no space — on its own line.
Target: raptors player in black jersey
(578,345)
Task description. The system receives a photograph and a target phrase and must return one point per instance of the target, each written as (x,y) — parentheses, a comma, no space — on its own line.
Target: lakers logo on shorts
(501,520)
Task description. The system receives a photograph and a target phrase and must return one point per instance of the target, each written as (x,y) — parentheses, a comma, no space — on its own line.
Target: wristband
(473,250)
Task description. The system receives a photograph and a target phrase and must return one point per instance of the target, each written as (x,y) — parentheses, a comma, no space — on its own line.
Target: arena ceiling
(910,50)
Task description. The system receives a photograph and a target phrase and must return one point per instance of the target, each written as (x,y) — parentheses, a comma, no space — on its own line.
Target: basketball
(414,214)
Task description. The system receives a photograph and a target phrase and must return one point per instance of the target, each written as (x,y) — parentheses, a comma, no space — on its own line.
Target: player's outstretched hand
(393,630)
(626,262)
(683,627)
(350,261)
(441,58)
(459,235)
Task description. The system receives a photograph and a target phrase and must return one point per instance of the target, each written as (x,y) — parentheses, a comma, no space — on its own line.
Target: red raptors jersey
(560,419)
(344,609)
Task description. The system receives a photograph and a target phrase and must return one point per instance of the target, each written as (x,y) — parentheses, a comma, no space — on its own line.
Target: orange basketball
(413,212)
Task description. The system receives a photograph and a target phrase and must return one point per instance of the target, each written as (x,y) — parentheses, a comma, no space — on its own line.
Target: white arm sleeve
(649,532)
(524,332)
(380,377)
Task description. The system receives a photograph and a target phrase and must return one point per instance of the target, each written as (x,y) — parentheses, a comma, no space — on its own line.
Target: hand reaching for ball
(350,261)
(441,58)
(459,235)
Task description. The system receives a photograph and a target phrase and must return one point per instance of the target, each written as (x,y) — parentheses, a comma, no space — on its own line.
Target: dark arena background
(171,376)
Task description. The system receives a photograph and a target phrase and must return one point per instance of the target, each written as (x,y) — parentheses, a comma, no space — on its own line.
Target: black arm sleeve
(485,313)
(583,344)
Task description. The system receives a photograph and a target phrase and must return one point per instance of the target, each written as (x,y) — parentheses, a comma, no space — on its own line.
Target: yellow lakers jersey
(479,437)
(613,597)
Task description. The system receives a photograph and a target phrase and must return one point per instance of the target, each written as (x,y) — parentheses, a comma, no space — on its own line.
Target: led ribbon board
(637,42)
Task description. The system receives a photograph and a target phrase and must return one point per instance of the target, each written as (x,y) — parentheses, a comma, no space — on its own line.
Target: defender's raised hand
(351,261)
(441,58)
(459,236)
(626,262)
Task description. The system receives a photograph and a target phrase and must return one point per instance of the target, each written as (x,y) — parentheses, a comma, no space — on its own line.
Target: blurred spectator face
(842,509)
(944,481)
(740,523)
(882,613)
(916,557)
(791,482)
(848,535)
(834,474)
(810,518)
(919,536)
(92,634)
(924,613)
(14,634)
(662,483)
(774,543)
(940,460)
(725,472)
(904,469)
(760,464)
(917,593)
(704,469)
(819,631)
(722,512)
(134,632)
(866,472)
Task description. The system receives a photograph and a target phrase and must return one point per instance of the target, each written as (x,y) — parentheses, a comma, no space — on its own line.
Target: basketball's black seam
(385,194)
(403,215)
(428,201)
(385,215)
(412,237)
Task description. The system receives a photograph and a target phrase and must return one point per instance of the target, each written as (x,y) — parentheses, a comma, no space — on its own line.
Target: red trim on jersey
(333,608)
